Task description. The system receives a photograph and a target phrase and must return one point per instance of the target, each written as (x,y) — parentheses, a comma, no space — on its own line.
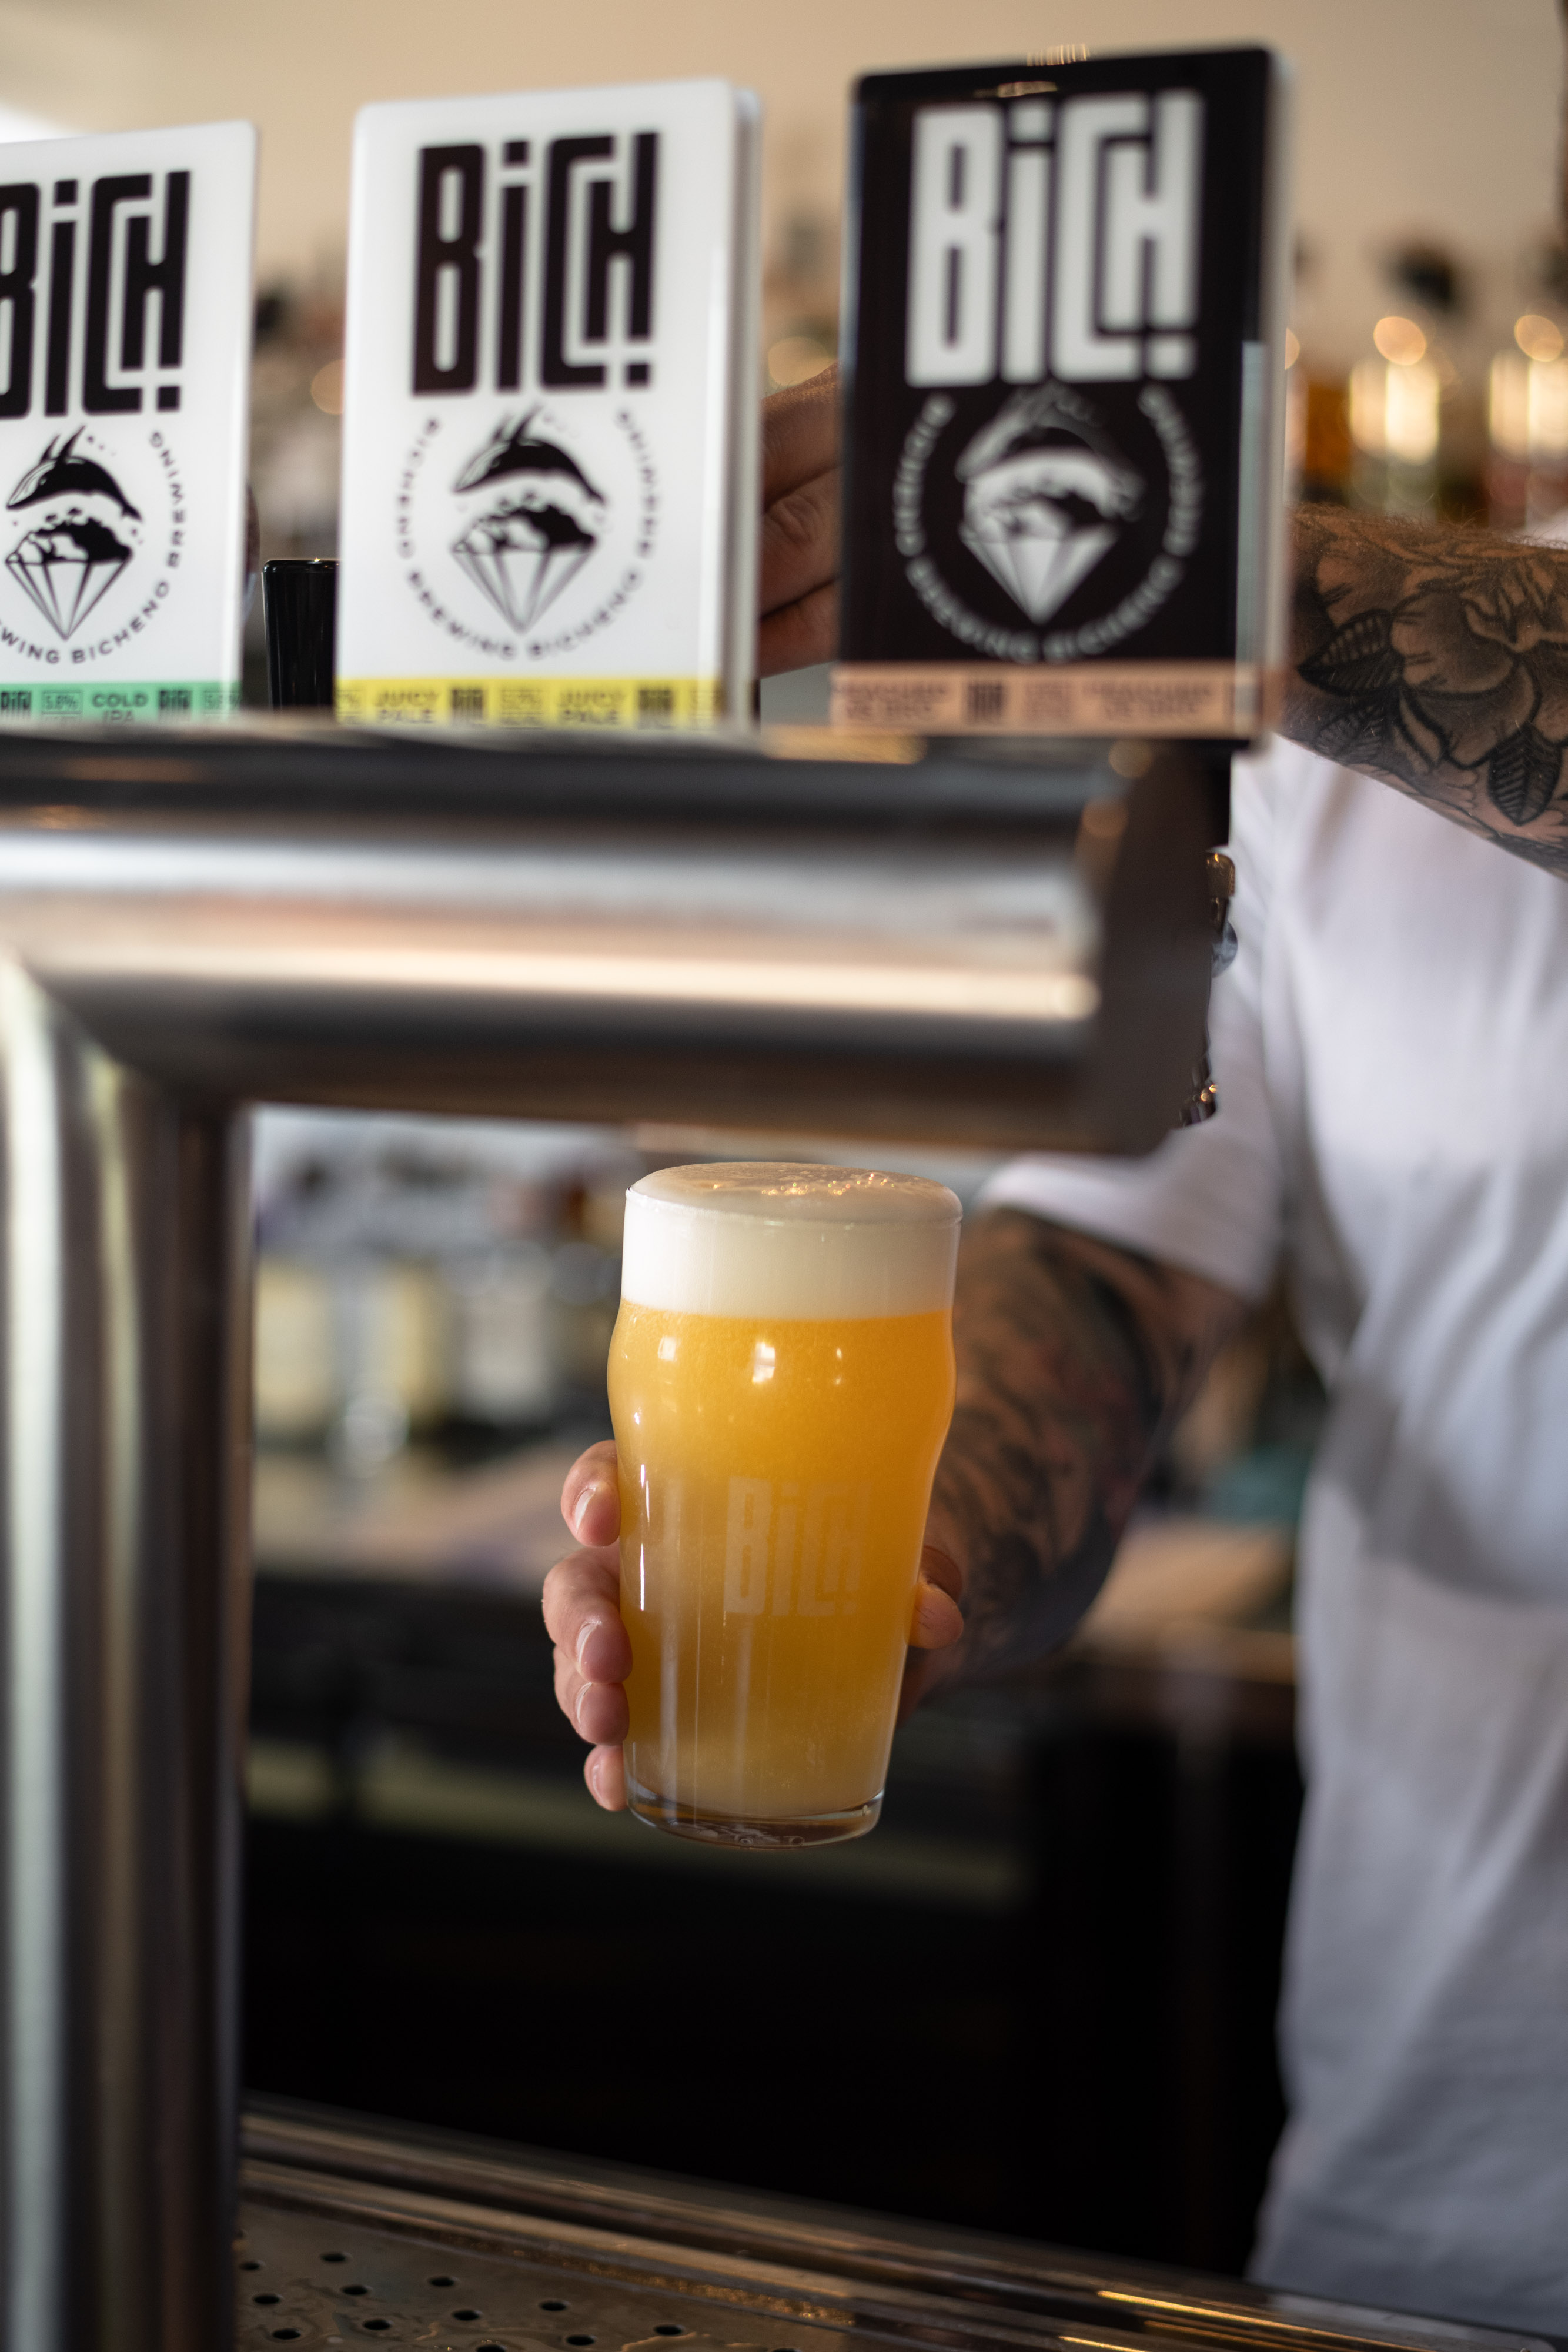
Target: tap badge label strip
(125,336)
(549,439)
(1063,326)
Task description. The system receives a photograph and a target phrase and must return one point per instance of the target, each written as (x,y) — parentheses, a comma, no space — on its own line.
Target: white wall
(1436,115)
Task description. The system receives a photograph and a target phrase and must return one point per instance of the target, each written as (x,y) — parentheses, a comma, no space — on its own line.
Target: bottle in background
(1416,401)
(1395,395)
(1527,472)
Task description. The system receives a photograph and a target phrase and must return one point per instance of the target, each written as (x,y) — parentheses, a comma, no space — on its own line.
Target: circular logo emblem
(95,527)
(525,544)
(1032,534)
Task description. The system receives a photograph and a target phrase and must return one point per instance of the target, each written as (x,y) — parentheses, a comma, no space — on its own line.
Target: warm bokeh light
(1527,408)
(1400,340)
(1394,410)
(1293,349)
(794,359)
(327,388)
(1538,338)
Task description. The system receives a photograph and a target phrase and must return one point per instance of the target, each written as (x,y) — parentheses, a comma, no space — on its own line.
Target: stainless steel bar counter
(352,2229)
(909,943)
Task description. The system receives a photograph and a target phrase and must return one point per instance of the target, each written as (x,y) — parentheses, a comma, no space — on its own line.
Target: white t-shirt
(1391,1048)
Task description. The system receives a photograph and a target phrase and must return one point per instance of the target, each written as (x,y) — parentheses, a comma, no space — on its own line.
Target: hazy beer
(780,1382)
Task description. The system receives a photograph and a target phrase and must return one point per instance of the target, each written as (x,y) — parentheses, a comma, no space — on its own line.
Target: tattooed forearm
(1072,1356)
(1437,660)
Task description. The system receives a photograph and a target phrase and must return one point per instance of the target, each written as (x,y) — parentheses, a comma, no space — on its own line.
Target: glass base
(745,1833)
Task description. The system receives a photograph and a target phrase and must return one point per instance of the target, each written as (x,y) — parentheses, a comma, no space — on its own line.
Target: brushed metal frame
(123,1607)
(912,945)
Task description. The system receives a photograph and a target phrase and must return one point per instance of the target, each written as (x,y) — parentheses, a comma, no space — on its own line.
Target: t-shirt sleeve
(1207,1199)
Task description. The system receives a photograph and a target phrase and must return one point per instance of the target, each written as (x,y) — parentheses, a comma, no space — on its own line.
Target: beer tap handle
(299,601)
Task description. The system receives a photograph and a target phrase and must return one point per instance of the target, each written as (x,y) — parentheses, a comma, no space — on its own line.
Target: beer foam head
(763,1237)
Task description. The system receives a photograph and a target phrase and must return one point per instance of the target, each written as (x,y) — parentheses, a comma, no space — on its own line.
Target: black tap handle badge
(1058,275)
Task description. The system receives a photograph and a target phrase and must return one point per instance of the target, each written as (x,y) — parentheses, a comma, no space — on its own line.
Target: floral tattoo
(1438,661)
(1073,1355)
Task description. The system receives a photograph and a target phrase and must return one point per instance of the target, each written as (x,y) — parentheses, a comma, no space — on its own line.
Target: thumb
(936,1621)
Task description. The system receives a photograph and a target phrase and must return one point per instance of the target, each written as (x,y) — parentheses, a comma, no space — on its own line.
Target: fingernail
(584,1638)
(576,1705)
(583,1500)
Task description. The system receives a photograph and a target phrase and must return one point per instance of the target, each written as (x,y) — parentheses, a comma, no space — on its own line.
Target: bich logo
(540,271)
(1055,240)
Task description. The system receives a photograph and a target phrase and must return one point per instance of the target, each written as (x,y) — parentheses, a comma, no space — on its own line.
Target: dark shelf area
(1039,1999)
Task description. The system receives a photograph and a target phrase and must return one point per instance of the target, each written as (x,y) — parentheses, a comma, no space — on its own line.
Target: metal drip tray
(314,2280)
(355,2236)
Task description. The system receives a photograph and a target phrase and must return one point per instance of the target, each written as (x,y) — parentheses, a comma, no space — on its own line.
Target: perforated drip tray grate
(305,2280)
(354,2237)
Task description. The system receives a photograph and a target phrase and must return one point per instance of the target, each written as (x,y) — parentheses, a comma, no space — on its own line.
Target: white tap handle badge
(125,349)
(549,431)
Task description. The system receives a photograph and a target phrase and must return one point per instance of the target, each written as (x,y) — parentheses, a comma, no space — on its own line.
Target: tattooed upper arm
(1073,1355)
(1437,660)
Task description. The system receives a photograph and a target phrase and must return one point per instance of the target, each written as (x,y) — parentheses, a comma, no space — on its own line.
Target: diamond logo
(66,570)
(75,551)
(522,558)
(1044,496)
(545,522)
(1036,555)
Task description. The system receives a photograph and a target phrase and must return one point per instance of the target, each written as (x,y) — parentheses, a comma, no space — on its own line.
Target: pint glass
(780,1383)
